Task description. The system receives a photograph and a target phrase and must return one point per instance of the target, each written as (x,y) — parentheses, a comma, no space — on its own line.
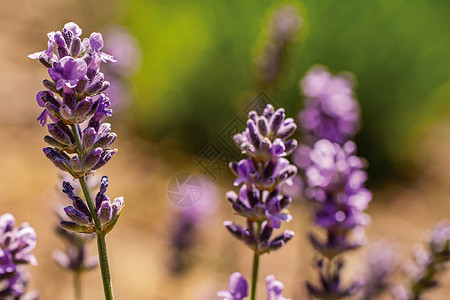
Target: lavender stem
(77,284)
(255,266)
(255,275)
(101,242)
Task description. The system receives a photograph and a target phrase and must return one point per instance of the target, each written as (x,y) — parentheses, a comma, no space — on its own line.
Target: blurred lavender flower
(238,288)
(274,289)
(333,175)
(187,222)
(330,281)
(335,184)
(381,262)
(330,111)
(16,245)
(285,23)
(428,263)
(125,48)
(74,258)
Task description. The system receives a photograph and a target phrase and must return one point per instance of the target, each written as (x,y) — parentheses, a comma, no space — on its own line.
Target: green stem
(255,275)
(255,265)
(101,242)
(77,282)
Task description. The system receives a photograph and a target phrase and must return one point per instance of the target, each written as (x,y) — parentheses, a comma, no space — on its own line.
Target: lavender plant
(260,201)
(79,141)
(16,244)
(427,265)
(282,30)
(238,288)
(380,265)
(334,176)
(74,259)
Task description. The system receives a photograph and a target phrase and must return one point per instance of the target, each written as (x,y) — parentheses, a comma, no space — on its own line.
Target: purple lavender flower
(330,281)
(238,288)
(428,263)
(79,142)
(68,72)
(331,111)
(283,29)
(80,217)
(16,245)
(125,48)
(265,141)
(187,223)
(381,263)
(274,289)
(335,183)
(333,175)
(74,258)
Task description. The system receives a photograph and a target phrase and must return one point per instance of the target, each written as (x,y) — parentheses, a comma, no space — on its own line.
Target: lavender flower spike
(331,111)
(16,245)
(428,264)
(238,288)
(260,201)
(79,143)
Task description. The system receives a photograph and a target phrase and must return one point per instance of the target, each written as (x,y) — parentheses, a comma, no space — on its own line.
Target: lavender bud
(276,121)
(94,88)
(66,113)
(89,136)
(75,47)
(236,230)
(106,140)
(58,134)
(281,240)
(75,164)
(117,205)
(62,52)
(76,227)
(55,111)
(105,157)
(51,86)
(92,158)
(105,212)
(80,86)
(83,107)
(76,215)
(46,61)
(263,126)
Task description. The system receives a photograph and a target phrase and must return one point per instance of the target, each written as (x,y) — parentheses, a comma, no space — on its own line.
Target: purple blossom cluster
(265,141)
(380,265)
(334,176)
(238,288)
(428,263)
(16,244)
(80,217)
(74,100)
(260,200)
(335,184)
(285,23)
(74,258)
(330,110)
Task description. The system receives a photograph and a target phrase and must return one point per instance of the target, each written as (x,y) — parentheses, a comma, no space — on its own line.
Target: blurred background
(188,69)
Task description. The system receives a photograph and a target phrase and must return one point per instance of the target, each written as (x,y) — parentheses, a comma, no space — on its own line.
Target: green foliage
(197,62)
